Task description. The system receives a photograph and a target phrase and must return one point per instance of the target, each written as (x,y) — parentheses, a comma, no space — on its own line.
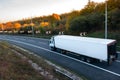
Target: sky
(11,10)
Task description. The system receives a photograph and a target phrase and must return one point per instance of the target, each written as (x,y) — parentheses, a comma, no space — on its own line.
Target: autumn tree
(44,24)
(9,26)
(17,26)
(56,16)
(1,27)
(54,20)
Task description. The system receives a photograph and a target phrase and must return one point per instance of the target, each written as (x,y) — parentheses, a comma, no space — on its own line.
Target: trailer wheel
(110,61)
(62,51)
(82,58)
(89,60)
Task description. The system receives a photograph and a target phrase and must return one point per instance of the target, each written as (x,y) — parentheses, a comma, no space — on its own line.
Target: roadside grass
(42,62)
(13,67)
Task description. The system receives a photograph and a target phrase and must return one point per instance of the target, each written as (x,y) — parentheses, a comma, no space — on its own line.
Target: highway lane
(89,71)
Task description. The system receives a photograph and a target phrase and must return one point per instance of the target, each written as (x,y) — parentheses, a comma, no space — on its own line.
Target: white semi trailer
(90,48)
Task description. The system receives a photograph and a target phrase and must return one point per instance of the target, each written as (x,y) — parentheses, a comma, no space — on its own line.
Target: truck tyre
(82,58)
(62,51)
(89,60)
(110,61)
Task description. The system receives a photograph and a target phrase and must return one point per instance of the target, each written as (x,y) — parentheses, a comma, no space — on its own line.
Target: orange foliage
(17,25)
(1,27)
(8,26)
(56,16)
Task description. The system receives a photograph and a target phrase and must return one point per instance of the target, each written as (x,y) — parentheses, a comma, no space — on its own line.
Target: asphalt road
(94,71)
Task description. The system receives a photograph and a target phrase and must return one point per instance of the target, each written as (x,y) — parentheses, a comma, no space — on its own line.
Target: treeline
(90,18)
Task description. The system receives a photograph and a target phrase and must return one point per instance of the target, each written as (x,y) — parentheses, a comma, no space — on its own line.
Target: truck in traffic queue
(87,48)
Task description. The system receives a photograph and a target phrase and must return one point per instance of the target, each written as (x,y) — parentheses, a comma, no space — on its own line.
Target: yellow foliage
(43,24)
(25,25)
(32,24)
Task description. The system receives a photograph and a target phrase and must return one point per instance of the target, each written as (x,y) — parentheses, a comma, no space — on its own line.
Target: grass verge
(13,67)
(19,69)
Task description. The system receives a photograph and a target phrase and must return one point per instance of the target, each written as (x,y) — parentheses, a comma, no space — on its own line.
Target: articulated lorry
(88,48)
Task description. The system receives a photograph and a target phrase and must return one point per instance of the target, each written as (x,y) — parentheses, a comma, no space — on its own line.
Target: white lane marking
(118,52)
(32,41)
(67,57)
(117,61)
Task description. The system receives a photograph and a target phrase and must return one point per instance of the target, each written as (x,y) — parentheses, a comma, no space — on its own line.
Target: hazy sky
(19,9)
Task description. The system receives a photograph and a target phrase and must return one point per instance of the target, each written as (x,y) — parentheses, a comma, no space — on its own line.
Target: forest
(89,19)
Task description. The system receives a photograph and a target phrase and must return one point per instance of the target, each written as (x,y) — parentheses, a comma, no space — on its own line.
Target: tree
(89,8)
(88,23)
(95,21)
(17,26)
(9,26)
(70,17)
(78,25)
(114,19)
(44,24)
(112,4)
(1,27)
(56,16)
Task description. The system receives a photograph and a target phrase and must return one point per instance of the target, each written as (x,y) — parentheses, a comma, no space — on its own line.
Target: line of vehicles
(88,49)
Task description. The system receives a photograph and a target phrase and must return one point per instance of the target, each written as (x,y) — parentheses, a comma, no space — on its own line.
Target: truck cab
(52,43)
